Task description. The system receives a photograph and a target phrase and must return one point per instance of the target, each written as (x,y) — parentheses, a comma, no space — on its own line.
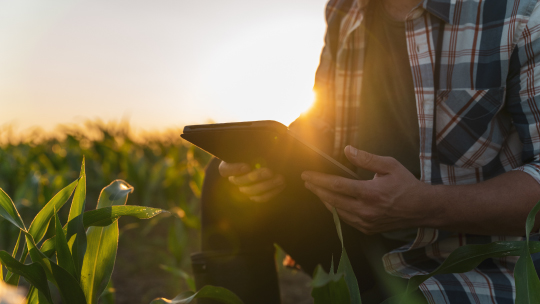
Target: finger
(232,169)
(335,199)
(260,188)
(371,162)
(252,177)
(356,222)
(268,195)
(333,183)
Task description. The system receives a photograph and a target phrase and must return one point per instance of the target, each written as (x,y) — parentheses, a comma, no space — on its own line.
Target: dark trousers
(299,223)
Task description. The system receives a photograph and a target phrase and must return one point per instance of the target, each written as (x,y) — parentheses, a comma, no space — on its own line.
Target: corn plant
(166,173)
(85,247)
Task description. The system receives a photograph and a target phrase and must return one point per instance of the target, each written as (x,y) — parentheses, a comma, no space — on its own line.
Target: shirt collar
(440,8)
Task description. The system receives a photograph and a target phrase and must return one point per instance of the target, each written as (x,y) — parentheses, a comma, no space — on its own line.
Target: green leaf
(345,266)
(38,257)
(9,212)
(10,278)
(41,221)
(102,243)
(321,278)
(107,215)
(69,288)
(329,288)
(42,299)
(527,281)
(33,273)
(16,248)
(78,247)
(32,296)
(215,293)
(98,263)
(337,222)
(102,217)
(63,255)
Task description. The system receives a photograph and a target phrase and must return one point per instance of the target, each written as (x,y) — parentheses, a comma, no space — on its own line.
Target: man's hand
(260,185)
(392,200)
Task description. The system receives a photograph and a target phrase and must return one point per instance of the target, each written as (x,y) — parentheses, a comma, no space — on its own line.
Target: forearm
(498,206)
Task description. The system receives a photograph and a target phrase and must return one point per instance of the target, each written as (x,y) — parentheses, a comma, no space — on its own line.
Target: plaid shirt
(487,116)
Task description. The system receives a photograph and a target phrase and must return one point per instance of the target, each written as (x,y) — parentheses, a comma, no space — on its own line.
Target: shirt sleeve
(523,93)
(316,125)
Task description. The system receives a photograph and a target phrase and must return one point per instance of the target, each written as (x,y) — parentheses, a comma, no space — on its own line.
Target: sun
(264,73)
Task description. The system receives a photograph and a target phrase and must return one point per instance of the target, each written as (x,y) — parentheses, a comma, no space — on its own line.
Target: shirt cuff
(533,169)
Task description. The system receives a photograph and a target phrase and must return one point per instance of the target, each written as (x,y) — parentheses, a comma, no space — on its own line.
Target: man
(440,100)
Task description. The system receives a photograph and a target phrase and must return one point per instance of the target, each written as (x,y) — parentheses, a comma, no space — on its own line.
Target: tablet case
(263,143)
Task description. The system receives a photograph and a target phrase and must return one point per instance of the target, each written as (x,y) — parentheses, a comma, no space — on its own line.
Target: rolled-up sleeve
(523,93)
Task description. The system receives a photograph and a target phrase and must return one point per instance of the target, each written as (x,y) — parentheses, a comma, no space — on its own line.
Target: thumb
(371,162)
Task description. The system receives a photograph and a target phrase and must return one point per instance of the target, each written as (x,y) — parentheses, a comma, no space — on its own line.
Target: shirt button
(417,48)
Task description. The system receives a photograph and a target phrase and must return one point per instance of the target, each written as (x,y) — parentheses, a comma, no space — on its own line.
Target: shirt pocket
(469,134)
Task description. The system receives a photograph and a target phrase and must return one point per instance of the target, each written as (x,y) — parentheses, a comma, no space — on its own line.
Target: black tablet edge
(257,124)
(326,156)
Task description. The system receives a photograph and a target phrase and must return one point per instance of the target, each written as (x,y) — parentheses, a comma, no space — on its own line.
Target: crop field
(153,256)
(161,173)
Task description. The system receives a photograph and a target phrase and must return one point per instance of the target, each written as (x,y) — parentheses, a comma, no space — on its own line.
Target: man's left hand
(392,200)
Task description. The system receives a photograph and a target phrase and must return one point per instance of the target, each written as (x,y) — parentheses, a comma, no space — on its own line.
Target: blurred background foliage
(166,172)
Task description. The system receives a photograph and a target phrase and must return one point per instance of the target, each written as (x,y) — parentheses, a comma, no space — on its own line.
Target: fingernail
(304,176)
(231,178)
(244,168)
(307,185)
(353,150)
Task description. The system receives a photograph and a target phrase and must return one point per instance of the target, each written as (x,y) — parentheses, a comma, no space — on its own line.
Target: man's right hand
(260,185)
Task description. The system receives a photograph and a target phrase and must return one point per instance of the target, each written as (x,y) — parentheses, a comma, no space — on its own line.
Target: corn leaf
(527,281)
(102,243)
(69,288)
(9,212)
(32,296)
(10,278)
(33,273)
(329,288)
(78,247)
(345,266)
(63,255)
(107,215)
(41,221)
(101,217)
(38,257)
(215,293)
(42,299)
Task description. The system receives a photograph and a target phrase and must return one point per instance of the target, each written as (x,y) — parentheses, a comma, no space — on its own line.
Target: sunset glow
(160,64)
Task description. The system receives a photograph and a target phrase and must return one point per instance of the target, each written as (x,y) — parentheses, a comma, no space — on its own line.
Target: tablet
(265,143)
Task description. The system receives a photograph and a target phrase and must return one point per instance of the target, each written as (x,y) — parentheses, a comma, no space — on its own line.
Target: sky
(158,64)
